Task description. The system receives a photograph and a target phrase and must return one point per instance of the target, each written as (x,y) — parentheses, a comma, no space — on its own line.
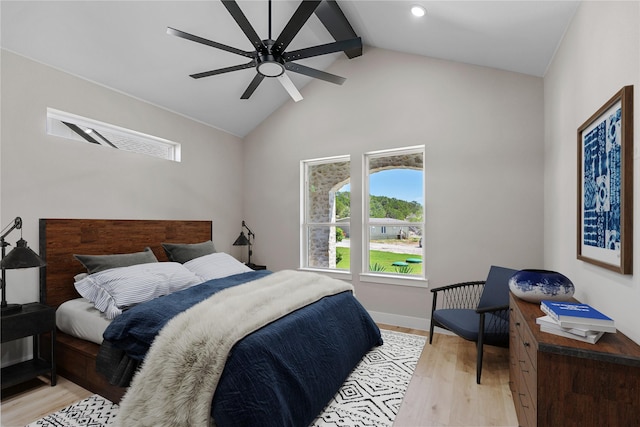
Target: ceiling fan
(270,57)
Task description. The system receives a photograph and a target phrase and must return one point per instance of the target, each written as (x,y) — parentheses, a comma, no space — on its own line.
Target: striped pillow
(215,266)
(113,290)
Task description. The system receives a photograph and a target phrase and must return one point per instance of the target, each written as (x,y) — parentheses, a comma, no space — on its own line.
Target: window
(390,246)
(394,206)
(325,214)
(71,126)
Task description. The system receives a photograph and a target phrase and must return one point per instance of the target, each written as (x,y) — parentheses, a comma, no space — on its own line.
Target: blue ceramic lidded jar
(537,285)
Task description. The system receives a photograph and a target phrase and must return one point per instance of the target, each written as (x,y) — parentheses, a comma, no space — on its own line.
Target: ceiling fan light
(270,69)
(418,10)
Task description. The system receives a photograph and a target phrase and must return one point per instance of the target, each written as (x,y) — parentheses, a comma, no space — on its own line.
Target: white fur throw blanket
(180,373)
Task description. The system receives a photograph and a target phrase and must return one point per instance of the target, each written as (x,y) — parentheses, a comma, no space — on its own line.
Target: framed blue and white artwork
(605,185)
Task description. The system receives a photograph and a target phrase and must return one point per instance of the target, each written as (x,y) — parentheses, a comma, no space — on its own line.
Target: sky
(403,184)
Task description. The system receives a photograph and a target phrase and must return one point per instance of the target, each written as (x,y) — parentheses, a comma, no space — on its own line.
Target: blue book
(569,314)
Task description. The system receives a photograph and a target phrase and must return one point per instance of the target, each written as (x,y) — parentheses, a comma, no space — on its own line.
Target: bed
(60,239)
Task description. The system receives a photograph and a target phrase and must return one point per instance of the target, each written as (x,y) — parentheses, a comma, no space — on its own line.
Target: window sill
(416,282)
(335,274)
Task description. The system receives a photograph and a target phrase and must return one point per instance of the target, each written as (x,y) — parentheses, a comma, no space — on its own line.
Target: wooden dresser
(558,381)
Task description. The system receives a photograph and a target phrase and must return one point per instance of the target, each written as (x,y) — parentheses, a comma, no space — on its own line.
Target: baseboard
(406,322)
(399,320)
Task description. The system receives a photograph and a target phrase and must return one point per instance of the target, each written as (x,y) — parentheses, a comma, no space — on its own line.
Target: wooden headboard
(60,239)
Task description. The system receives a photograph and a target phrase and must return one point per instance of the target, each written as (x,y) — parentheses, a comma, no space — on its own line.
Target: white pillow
(117,288)
(215,266)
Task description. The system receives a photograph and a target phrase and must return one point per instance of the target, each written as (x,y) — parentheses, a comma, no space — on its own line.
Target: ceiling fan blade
(289,87)
(252,86)
(224,70)
(243,23)
(182,34)
(299,18)
(337,24)
(316,74)
(323,49)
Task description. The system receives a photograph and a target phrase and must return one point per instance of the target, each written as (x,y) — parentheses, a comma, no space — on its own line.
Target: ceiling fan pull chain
(269,19)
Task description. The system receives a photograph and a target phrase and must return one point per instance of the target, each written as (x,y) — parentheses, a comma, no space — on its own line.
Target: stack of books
(574,320)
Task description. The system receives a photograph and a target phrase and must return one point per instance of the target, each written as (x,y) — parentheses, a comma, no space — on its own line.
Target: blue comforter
(281,375)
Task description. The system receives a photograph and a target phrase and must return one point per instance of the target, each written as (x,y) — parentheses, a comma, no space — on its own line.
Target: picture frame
(605,185)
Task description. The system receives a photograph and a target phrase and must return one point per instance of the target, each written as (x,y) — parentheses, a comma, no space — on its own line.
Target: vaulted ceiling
(124,44)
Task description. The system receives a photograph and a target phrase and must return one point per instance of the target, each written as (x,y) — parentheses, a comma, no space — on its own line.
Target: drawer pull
(521,403)
(526,344)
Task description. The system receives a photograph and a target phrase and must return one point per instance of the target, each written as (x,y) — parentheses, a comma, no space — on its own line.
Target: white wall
(49,177)
(599,55)
(483,131)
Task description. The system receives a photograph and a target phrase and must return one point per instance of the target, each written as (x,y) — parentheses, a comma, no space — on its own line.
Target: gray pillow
(183,252)
(96,263)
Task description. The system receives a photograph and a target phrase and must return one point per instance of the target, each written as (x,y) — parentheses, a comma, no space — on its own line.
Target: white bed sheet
(79,318)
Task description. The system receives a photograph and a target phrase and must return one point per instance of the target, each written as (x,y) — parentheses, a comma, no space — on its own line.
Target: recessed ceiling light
(418,10)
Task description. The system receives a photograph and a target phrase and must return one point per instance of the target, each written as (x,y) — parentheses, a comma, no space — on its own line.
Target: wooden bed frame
(60,239)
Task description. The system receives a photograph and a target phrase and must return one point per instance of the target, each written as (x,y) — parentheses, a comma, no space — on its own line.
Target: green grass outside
(382,258)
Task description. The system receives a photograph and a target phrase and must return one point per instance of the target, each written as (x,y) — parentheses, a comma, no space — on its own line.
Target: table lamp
(242,240)
(20,257)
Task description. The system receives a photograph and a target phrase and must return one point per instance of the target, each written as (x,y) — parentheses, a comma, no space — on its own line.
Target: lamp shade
(21,257)
(241,240)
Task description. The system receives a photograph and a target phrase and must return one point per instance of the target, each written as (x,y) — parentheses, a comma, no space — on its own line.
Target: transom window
(71,126)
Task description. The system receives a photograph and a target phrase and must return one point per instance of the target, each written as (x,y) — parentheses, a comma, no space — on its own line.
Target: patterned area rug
(94,411)
(371,395)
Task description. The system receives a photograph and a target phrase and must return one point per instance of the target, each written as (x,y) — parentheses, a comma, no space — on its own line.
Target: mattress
(80,319)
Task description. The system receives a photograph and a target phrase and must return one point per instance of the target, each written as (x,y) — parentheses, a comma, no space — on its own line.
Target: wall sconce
(20,257)
(243,240)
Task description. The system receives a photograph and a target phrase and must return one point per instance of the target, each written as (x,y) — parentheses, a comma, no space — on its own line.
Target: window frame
(306,224)
(367,223)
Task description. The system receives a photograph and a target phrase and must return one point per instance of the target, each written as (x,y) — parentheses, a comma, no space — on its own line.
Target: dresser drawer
(523,375)
(525,409)
(516,324)
(528,374)
(529,346)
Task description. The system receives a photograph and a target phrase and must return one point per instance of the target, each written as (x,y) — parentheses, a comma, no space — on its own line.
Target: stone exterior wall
(324,181)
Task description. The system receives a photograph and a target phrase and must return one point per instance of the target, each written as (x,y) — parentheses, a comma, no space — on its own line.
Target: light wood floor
(442,392)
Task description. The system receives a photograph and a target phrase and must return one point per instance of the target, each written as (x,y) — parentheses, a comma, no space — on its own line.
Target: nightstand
(33,320)
(256,266)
